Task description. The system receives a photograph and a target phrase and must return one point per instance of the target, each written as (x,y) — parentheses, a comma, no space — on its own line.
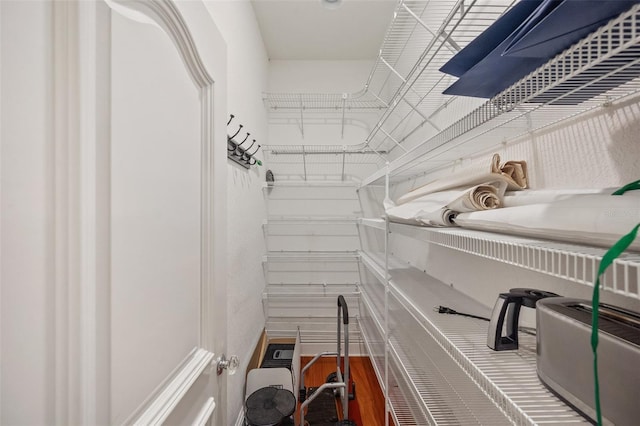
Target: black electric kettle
(508,307)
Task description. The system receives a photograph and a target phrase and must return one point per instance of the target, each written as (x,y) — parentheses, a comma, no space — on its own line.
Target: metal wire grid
(405,409)
(372,223)
(605,64)
(440,393)
(426,35)
(310,161)
(321,331)
(448,393)
(509,379)
(310,268)
(574,263)
(435,390)
(297,301)
(322,102)
(405,76)
(403,412)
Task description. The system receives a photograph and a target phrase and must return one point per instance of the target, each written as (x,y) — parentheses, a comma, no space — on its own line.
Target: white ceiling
(307,30)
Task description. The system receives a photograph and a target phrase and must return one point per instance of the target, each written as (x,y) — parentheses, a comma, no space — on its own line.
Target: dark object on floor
(341,383)
(322,410)
(269,406)
(278,355)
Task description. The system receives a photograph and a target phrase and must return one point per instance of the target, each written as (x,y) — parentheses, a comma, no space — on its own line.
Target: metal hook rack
(237,152)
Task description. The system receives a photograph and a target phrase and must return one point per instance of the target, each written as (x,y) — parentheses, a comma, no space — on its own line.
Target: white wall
(27,320)
(319,77)
(247,78)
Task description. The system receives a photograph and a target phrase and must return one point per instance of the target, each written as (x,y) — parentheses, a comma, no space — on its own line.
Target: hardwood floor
(369,395)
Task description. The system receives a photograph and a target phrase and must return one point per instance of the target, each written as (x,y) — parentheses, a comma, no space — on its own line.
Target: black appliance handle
(531,295)
(345,310)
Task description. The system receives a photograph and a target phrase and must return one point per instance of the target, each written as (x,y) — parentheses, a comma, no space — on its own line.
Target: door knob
(231,364)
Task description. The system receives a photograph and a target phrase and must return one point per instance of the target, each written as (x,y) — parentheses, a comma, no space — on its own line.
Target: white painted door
(109,186)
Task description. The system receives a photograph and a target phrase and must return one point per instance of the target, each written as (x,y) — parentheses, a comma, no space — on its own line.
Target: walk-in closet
(208,204)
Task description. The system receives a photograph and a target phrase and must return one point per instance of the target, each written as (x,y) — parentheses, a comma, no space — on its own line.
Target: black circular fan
(269,406)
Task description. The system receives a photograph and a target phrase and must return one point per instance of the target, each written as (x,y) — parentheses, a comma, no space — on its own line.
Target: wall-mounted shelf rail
(340,107)
(311,256)
(322,102)
(373,223)
(312,220)
(314,162)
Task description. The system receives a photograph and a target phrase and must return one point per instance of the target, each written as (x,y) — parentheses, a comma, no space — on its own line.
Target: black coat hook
(236,133)
(250,146)
(245,138)
(235,149)
(244,153)
(254,152)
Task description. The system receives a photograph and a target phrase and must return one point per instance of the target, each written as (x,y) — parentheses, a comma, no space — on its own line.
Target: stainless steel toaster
(565,360)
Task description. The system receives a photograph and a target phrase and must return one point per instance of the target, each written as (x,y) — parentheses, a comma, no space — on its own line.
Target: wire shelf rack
(599,70)
(321,102)
(309,162)
(418,128)
(423,36)
(457,348)
(574,263)
(404,408)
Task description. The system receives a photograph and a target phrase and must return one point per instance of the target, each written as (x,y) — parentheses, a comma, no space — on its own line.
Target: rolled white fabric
(512,173)
(596,219)
(439,209)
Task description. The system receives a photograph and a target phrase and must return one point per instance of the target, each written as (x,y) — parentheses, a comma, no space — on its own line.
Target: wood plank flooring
(368,392)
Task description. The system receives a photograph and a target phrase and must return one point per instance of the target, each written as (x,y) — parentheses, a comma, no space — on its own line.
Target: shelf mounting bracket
(301,117)
(392,138)
(455,47)
(344,102)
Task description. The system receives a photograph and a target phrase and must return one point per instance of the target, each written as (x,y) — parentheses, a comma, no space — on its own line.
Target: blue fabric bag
(491,38)
(568,23)
(547,30)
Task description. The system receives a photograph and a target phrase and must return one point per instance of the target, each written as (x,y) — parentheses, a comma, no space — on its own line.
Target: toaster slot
(618,322)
